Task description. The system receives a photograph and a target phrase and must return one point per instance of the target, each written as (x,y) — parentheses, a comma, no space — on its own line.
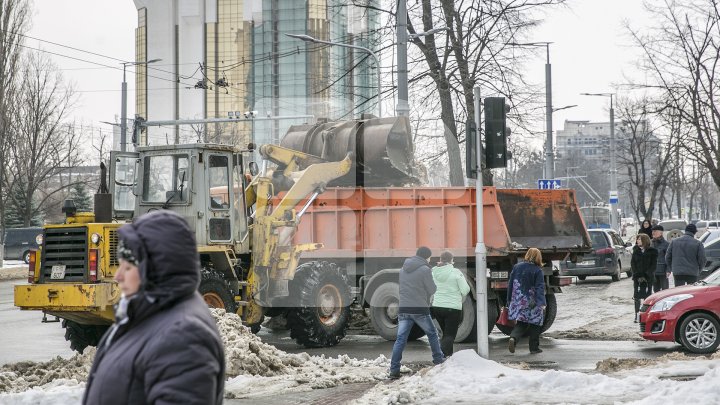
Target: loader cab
(201,182)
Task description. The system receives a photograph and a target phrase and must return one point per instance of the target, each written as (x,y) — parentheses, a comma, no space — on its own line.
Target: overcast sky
(589,53)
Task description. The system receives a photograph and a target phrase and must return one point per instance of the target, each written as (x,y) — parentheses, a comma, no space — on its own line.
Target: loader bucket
(543,219)
(382,147)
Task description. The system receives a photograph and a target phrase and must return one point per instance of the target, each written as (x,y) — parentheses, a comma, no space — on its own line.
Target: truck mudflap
(85,303)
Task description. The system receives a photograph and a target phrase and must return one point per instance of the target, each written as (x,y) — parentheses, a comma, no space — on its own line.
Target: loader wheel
(215,291)
(82,336)
(550,313)
(320,312)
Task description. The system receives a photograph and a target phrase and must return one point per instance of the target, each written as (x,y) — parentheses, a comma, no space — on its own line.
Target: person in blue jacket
(526,300)
(452,287)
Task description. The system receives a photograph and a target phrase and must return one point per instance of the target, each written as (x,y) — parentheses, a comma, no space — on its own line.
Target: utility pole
(403,108)
(123,105)
(483,347)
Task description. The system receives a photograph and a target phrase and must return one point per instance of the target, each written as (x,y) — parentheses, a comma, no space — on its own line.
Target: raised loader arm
(274,257)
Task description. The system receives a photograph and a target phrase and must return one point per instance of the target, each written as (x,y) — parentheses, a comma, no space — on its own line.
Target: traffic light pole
(483,348)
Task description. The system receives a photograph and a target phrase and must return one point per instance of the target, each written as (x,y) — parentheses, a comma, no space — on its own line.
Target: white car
(674,228)
(706,224)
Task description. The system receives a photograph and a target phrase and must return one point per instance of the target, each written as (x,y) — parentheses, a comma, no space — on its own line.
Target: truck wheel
(216,292)
(82,336)
(384,305)
(550,313)
(26,257)
(321,312)
(467,330)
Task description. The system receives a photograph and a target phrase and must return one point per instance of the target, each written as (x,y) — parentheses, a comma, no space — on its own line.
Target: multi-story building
(228,57)
(587,140)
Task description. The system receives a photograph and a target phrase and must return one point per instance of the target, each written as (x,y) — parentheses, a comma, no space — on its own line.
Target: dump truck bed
(393,222)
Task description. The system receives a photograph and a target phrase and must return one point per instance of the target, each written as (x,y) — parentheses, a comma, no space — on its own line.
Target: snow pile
(261,369)
(254,368)
(466,377)
(13,273)
(21,376)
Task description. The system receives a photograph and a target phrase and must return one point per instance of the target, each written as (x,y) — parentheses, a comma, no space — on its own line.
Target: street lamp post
(123,105)
(613,165)
(549,154)
(308,38)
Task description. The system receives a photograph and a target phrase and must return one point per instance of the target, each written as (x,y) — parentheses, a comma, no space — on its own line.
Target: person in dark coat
(685,257)
(643,264)
(646,228)
(416,291)
(164,346)
(661,271)
(526,300)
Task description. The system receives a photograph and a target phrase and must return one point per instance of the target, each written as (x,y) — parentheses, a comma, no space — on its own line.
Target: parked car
(20,241)
(706,225)
(712,257)
(673,228)
(687,315)
(709,235)
(610,257)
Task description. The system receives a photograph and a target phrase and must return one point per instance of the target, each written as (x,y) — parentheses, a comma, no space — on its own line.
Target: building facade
(222,58)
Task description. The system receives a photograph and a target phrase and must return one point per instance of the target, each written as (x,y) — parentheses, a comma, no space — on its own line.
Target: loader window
(219,182)
(165,179)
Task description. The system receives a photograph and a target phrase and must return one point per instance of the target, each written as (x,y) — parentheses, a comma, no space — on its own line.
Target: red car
(689,315)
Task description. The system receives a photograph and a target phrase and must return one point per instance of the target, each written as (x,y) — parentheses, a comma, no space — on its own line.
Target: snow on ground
(13,269)
(254,369)
(607,315)
(467,378)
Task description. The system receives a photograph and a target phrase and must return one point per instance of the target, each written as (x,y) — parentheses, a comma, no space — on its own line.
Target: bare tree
(14,17)
(681,59)
(476,52)
(645,158)
(43,148)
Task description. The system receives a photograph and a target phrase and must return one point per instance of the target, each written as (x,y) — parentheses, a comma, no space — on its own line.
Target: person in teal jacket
(448,300)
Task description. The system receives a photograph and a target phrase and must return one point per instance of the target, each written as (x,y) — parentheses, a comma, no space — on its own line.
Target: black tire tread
(305,326)
(212,281)
(82,336)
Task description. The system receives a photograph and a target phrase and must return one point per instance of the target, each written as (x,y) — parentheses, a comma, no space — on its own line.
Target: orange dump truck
(369,232)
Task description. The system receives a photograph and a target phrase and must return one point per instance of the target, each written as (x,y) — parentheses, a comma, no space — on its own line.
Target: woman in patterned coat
(526,300)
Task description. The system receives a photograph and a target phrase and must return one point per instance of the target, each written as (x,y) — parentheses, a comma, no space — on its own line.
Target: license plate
(587,263)
(58,272)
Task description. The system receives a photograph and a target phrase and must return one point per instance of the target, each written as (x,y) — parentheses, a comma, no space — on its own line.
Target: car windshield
(713,279)
(710,236)
(598,240)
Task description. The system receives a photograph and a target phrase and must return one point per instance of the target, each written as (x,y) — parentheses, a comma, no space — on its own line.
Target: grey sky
(589,52)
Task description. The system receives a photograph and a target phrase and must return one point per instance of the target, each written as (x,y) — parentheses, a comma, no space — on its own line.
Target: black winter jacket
(169,349)
(643,264)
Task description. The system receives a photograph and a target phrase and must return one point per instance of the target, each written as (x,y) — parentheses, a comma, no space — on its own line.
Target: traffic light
(471,144)
(496,132)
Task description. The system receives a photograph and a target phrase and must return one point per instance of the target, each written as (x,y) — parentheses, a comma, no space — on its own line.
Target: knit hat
(691,228)
(658,228)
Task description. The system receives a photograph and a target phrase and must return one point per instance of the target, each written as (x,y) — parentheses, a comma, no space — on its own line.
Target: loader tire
(320,312)
(550,313)
(82,336)
(215,291)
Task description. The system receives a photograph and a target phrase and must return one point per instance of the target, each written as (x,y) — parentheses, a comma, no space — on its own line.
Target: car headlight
(39,239)
(666,304)
(95,238)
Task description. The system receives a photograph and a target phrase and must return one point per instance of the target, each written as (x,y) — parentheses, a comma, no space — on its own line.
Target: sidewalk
(331,396)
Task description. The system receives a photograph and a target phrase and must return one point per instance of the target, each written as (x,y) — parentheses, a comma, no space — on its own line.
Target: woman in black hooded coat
(164,346)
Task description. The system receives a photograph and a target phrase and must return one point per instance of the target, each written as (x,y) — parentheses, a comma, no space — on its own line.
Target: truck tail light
(604,251)
(31,267)
(92,265)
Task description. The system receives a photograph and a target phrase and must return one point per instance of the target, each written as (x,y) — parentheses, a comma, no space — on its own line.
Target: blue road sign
(549,184)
